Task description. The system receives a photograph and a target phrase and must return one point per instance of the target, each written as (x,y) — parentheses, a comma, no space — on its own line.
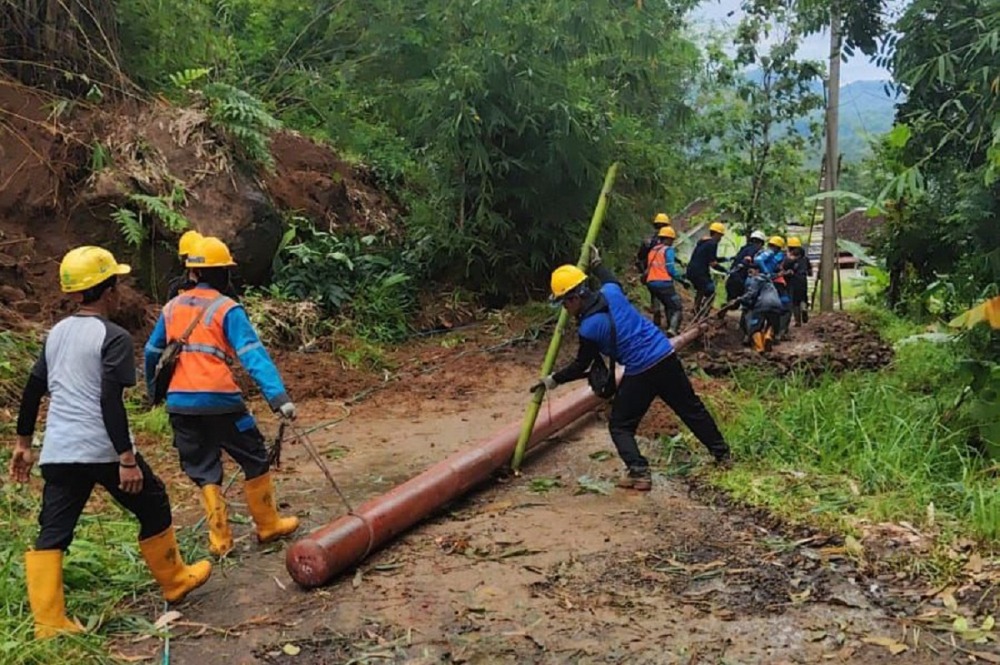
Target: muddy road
(555,566)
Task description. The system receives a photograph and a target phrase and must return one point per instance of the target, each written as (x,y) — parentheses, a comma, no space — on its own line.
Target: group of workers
(767,279)
(86,363)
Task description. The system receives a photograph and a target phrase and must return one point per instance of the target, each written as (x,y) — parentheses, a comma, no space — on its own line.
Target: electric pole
(830,254)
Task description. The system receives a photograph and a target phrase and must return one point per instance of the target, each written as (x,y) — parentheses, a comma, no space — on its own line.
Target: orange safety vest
(204,364)
(657,269)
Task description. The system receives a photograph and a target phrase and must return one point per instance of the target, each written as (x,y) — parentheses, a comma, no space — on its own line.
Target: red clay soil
(51,200)
(310,180)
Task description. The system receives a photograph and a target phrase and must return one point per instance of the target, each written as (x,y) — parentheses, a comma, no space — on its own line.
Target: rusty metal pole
(325,553)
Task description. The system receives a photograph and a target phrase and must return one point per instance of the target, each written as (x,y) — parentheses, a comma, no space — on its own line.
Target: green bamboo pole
(550,358)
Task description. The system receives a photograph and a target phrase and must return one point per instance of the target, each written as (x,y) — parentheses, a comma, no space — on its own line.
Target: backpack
(601,377)
(167,363)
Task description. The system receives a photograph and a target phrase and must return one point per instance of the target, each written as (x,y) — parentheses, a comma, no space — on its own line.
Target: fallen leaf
(960,625)
(895,647)
(988,623)
(930,514)
(356,582)
(975,564)
(166,619)
(985,656)
(601,455)
(816,635)
(498,506)
(291,650)
(799,598)
(948,600)
(852,546)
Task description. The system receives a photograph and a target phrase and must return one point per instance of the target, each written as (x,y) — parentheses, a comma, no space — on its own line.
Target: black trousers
(68,487)
(667,295)
(636,393)
(735,286)
(200,440)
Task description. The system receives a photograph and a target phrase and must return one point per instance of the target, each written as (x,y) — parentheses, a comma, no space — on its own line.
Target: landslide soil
(532,569)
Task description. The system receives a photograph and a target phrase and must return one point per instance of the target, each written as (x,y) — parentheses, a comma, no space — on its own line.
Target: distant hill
(867,110)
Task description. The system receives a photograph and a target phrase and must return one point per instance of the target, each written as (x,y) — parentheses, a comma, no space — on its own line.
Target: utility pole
(829,254)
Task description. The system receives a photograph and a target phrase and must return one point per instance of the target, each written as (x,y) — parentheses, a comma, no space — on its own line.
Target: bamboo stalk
(531,414)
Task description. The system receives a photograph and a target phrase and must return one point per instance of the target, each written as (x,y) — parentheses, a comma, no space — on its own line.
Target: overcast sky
(817,47)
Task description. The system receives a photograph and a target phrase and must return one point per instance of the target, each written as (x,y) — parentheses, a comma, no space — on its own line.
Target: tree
(61,44)
(946,240)
(756,126)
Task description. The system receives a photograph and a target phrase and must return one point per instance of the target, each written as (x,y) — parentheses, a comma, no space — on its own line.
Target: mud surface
(555,566)
(831,342)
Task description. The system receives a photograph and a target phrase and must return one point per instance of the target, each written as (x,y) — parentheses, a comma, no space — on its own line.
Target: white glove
(595,256)
(287,410)
(548,381)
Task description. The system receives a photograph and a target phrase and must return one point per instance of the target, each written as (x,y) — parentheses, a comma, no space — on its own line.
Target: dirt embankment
(66,166)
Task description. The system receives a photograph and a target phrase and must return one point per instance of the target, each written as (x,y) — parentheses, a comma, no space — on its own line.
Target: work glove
(287,411)
(547,382)
(595,256)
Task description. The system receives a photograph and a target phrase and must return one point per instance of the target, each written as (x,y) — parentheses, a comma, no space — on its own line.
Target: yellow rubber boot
(260,501)
(44,573)
(163,557)
(220,536)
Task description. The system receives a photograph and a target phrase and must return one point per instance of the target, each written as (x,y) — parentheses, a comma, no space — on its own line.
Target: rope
(303,438)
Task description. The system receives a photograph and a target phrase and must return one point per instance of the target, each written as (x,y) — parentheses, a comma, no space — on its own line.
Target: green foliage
(937,171)
(136,226)
(881,446)
(751,124)
(102,569)
(18,352)
(370,283)
(243,119)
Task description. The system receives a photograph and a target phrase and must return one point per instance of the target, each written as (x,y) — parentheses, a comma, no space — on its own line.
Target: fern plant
(134,226)
(243,118)
(130,225)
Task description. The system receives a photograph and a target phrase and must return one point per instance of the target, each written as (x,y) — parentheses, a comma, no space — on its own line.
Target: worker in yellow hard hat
(770,262)
(660,222)
(662,276)
(798,269)
(205,405)
(85,364)
(608,324)
(185,246)
(705,259)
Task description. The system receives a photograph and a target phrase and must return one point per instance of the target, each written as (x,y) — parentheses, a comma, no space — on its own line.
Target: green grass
(104,575)
(881,446)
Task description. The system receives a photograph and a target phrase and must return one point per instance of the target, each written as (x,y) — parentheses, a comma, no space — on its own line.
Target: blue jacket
(769,261)
(243,339)
(640,344)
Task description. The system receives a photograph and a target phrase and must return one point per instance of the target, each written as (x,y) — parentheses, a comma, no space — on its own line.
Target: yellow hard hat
(188,242)
(717,227)
(210,253)
(777,241)
(565,279)
(661,219)
(88,266)
(667,232)
(794,242)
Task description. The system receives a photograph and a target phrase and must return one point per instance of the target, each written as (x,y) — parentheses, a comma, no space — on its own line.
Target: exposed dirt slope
(66,166)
